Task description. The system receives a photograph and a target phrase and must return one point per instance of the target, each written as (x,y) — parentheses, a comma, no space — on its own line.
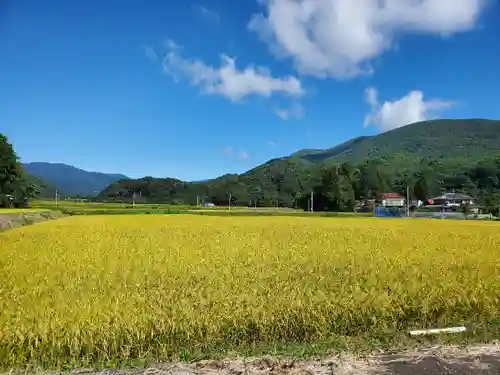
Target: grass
(120,289)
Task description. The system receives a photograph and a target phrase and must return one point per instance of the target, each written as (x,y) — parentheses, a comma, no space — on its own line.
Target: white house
(392,200)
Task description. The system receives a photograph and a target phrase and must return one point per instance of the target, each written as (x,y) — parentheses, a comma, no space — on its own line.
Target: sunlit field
(21,210)
(89,205)
(94,289)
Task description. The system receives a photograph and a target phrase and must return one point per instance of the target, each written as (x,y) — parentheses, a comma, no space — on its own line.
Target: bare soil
(473,360)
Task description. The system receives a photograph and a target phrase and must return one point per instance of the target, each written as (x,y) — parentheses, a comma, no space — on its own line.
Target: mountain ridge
(456,144)
(72,180)
(451,141)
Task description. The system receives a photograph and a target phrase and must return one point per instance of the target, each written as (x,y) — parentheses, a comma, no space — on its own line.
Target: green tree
(372,180)
(425,182)
(14,187)
(348,186)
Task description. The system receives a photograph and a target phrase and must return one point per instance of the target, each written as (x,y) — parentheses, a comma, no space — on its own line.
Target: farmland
(106,208)
(107,289)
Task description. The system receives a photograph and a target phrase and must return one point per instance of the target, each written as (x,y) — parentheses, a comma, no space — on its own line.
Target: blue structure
(387,212)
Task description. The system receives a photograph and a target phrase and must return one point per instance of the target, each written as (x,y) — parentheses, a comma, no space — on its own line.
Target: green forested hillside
(43,188)
(449,141)
(448,152)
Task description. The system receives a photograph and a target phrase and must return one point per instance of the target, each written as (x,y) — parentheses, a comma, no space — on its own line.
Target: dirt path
(473,360)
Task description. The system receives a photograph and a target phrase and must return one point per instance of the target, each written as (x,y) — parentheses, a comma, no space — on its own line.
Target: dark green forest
(429,157)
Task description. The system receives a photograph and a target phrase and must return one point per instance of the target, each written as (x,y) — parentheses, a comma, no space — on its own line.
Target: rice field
(21,210)
(105,289)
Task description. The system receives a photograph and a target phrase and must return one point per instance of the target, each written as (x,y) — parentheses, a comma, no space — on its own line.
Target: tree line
(343,185)
(15,187)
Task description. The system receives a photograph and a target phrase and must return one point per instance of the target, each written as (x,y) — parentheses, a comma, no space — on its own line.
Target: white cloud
(243,155)
(207,13)
(171,45)
(406,110)
(339,38)
(150,53)
(229,151)
(295,111)
(227,80)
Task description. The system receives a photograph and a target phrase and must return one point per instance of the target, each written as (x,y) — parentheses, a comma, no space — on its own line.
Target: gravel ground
(473,360)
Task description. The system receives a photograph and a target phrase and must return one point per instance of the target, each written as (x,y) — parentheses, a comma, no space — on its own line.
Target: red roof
(391,196)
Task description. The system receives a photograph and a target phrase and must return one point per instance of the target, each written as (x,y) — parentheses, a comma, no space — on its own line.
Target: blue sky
(195,90)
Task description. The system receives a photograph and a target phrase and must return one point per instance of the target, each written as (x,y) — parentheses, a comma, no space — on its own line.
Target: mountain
(72,181)
(444,140)
(456,144)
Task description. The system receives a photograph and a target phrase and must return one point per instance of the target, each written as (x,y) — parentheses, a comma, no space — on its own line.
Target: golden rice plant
(112,288)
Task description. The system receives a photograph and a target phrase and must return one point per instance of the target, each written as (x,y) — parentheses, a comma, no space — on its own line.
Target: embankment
(18,219)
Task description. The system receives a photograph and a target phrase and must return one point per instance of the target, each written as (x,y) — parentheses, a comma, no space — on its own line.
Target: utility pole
(197,200)
(133,199)
(230,200)
(57,202)
(407,200)
(312,201)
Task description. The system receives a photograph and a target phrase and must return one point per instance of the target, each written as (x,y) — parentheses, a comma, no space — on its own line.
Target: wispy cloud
(409,109)
(205,12)
(243,155)
(228,150)
(150,53)
(271,143)
(227,80)
(295,111)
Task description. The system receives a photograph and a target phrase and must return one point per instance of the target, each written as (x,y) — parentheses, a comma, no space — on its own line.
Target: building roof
(391,196)
(453,197)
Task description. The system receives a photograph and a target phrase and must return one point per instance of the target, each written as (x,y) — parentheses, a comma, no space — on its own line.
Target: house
(392,200)
(452,200)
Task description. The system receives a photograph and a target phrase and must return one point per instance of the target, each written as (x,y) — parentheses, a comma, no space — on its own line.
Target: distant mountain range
(455,143)
(70,180)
